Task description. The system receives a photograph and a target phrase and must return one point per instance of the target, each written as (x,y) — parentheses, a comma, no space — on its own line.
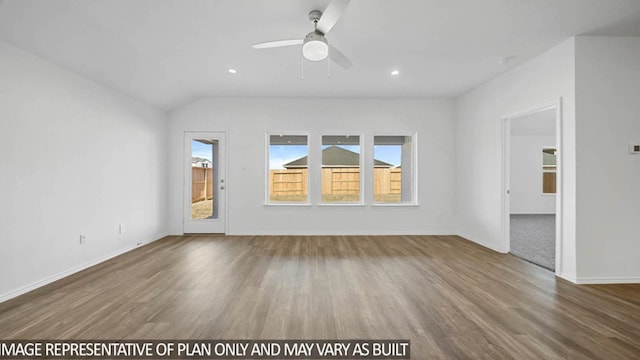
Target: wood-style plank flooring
(453,299)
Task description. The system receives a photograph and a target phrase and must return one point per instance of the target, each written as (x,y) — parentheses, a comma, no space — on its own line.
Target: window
(288,169)
(341,169)
(549,170)
(394,169)
(336,165)
(203,154)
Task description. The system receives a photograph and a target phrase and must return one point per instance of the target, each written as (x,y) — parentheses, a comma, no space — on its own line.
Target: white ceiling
(169,52)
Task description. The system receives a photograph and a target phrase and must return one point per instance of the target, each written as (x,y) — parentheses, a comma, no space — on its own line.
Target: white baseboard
(532,213)
(567,277)
(339,233)
(48,280)
(482,243)
(601,280)
(608,280)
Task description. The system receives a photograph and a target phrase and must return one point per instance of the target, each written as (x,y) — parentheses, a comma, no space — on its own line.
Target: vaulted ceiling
(169,52)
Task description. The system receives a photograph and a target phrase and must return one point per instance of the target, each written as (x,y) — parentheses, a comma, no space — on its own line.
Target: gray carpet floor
(533,238)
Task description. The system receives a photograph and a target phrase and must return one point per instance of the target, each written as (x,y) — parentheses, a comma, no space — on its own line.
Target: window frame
(552,171)
(414,167)
(362,143)
(267,198)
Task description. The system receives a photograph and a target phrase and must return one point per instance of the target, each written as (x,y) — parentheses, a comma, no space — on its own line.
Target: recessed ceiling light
(395,73)
(232,71)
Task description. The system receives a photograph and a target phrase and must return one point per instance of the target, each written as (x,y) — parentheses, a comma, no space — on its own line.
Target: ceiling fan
(315,46)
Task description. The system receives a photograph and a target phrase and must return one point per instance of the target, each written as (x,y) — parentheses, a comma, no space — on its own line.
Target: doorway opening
(532,216)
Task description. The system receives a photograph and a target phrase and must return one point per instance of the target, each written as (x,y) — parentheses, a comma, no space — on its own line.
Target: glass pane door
(204,183)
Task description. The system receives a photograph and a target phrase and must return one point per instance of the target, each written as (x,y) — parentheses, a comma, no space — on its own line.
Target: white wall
(608,185)
(75,158)
(55,127)
(526,175)
(538,82)
(247,121)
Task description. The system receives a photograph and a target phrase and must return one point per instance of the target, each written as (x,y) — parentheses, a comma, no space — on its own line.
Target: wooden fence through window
(335,181)
(201,184)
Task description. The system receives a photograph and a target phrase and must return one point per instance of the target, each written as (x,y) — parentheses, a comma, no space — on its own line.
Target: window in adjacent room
(549,170)
(394,169)
(340,174)
(288,173)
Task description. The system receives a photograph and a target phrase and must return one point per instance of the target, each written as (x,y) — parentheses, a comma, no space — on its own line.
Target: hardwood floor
(453,299)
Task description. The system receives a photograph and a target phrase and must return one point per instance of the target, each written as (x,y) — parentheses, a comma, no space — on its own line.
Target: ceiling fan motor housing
(315,46)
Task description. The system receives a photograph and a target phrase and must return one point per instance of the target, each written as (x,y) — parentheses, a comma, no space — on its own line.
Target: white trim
(532,213)
(505,185)
(506,181)
(287,204)
(414,156)
(609,280)
(381,204)
(559,189)
(533,110)
(284,232)
(484,244)
(567,277)
(226,180)
(76,269)
(600,280)
(342,204)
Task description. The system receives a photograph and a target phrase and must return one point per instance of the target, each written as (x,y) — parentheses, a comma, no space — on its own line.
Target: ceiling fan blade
(279,43)
(331,15)
(339,58)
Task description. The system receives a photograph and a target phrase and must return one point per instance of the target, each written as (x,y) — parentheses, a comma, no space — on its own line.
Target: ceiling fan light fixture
(315,47)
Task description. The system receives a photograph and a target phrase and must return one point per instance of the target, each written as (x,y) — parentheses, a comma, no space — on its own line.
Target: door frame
(506,178)
(223,211)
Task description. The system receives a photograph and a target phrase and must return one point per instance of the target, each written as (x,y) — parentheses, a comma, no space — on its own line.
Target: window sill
(395,205)
(342,204)
(288,204)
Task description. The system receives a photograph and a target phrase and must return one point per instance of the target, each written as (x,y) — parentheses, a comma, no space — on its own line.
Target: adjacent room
(457,176)
(533,186)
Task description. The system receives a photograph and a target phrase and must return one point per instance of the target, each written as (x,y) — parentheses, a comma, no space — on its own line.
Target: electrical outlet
(83,239)
(634,149)
(122,228)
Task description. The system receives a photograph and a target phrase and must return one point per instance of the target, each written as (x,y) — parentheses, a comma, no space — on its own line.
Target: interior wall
(539,82)
(76,158)
(246,122)
(608,110)
(526,175)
